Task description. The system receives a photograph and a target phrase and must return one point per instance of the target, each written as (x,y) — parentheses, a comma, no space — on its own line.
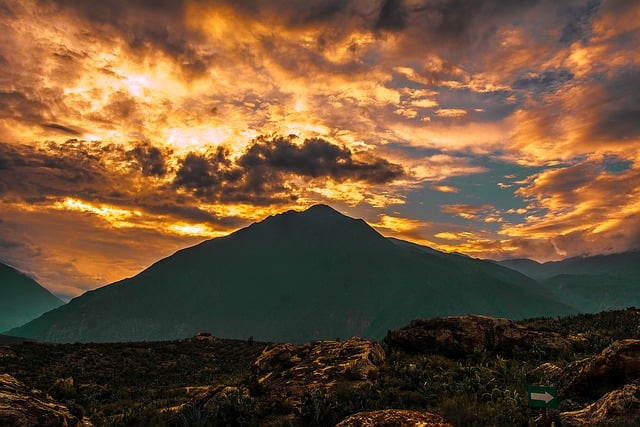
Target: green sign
(542,396)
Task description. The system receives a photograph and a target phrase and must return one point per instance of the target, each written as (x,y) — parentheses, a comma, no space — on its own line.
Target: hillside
(21,298)
(591,284)
(296,276)
(210,381)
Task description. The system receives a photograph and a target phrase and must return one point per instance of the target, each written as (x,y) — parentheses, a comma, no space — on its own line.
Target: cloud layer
(494,128)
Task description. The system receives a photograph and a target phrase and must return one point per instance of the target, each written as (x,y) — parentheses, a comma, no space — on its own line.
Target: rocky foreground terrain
(452,371)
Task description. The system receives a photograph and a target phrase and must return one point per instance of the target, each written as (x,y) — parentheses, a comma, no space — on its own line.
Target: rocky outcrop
(457,336)
(393,418)
(216,396)
(616,365)
(21,406)
(291,369)
(547,373)
(618,407)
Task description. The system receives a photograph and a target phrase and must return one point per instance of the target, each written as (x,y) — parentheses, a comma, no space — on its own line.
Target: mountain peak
(317,214)
(296,276)
(319,222)
(323,211)
(322,208)
(22,298)
(317,210)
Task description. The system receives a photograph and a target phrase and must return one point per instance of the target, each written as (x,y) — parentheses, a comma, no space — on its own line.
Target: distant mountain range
(21,298)
(296,276)
(591,284)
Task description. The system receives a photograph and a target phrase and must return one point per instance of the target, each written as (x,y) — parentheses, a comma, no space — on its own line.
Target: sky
(130,129)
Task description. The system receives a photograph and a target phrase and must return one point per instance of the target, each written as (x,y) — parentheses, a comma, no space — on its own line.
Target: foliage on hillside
(152,383)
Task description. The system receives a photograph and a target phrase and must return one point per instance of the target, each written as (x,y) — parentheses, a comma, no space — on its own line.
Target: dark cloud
(268,167)
(580,20)
(116,175)
(452,18)
(393,15)
(543,82)
(215,178)
(145,26)
(17,105)
(317,158)
(75,168)
(296,13)
(615,108)
(61,128)
(120,106)
(151,159)
(205,174)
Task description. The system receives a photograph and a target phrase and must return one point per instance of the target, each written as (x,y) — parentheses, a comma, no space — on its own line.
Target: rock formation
(616,365)
(618,407)
(458,336)
(547,373)
(21,406)
(393,418)
(293,369)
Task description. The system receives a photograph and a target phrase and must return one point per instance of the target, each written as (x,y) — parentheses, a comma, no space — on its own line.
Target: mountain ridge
(590,283)
(295,276)
(21,298)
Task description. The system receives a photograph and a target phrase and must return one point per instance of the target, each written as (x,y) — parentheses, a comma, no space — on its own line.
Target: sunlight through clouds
(189,119)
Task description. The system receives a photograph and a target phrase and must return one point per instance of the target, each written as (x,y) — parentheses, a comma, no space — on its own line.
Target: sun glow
(198,230)
(117,217)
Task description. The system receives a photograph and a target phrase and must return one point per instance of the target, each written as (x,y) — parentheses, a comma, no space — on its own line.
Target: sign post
(542,397)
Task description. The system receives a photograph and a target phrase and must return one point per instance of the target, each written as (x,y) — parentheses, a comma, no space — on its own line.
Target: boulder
(21,406)
(547,373)
(615,366)
(290,369)
(618,407)
(394,418)
(458,336)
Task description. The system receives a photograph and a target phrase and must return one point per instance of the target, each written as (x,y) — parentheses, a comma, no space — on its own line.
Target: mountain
(590,283)
(296,276)
(21,298)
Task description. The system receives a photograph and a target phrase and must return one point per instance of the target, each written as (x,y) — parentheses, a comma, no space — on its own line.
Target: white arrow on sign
(546,397)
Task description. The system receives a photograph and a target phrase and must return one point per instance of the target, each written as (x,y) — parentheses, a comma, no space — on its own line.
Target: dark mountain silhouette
(589,283)
(296,276)
(21,298)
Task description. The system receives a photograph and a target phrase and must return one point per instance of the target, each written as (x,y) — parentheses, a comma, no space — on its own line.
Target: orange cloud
(136,118)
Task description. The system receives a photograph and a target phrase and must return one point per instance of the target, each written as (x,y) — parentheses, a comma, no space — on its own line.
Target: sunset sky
(130,129)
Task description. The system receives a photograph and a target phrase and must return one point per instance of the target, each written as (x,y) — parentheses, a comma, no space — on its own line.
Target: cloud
(592,116)
(318,158)
(61,128)
(144,26)
(393,16)
(584,208)
(613,109)
(269,168)
(18,105)
(396,103)
(471,212)
(451,112)
(151,159)
(444,188)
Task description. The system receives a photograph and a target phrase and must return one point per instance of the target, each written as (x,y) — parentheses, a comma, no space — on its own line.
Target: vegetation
(154,383)
(131,383)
